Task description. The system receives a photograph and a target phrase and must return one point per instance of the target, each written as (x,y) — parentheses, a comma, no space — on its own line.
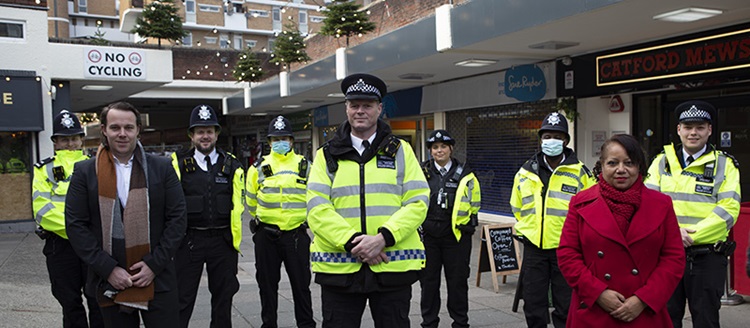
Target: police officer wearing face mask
(542,189)
(276,189)
(52,175)
(213,182)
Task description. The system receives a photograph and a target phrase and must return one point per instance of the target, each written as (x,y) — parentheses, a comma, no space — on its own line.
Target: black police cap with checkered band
(363,86)
(695,111)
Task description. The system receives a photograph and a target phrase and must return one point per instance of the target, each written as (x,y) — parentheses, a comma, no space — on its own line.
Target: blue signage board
(402,103)
(320,116)
(21,104)
(525,83)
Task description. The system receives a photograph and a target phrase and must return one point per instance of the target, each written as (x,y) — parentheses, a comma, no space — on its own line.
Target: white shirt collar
(447,166)
(695,156)
(123,171)
(357,142)
(201,159)
(549,166)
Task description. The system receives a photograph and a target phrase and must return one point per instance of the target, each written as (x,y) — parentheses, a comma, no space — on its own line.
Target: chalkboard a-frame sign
(498,253)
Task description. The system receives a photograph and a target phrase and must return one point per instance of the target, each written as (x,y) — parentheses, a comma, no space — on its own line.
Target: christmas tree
(248,68)
(98,38)
(289,48)
(343,19)
(160,20)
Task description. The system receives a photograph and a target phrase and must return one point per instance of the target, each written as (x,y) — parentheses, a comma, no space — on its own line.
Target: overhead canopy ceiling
(495,30)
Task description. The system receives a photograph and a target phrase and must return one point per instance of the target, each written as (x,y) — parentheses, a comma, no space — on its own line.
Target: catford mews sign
(114,63)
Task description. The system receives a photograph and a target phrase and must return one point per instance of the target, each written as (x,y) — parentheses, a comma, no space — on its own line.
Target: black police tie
(365,144)
(689,160)
(208,163)
(443,171)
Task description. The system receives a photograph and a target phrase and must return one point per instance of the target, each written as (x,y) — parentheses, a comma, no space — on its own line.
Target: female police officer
(451,219)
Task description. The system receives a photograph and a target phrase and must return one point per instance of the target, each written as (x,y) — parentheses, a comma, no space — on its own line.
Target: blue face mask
(281,147)
(552,147)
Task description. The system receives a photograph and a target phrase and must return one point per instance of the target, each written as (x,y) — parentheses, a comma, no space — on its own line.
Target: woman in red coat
(620,249)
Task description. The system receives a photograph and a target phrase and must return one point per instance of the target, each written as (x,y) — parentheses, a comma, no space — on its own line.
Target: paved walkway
(25,299)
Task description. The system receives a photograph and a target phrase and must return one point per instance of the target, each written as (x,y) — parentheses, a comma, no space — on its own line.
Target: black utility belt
(208,230)
(275,230)
(724,248)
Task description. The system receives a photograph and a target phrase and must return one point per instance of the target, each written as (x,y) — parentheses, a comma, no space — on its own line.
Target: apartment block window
(211,39)
(190,6)
(187,41)
(82,6)
(259,13)
(11,30)
(316,19)
(237,42)
(209,8)
(276,19)
(251,43)
(224,42)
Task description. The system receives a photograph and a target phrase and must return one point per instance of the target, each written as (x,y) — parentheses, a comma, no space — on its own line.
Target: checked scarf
(125,232)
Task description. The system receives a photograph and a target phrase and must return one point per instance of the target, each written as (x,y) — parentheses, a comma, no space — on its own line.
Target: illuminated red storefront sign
(723,52)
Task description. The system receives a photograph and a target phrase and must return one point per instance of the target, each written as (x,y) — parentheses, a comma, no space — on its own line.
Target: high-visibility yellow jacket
(346,198)
(540,220)
(49,188)
(279,197)
(706,194)
(237,172)
(468,197)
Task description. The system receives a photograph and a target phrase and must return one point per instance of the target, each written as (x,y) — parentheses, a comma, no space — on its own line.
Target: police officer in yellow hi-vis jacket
(366,198)
(542,190)
(704,184)
(213,182)
(276,189)
(67,272)
(451,220)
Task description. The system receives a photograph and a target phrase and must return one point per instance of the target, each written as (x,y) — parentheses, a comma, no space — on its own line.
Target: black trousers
(389,309)
(162,312)
(67,274)
(213,248)
(540,271)
(454,257)
(702,285)
(293,249)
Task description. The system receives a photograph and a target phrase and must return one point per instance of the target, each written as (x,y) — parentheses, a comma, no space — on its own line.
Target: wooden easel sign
(498,253)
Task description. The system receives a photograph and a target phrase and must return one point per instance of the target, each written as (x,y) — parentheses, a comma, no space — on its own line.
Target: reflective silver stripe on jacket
(285,191)
(319,187)
(690,197)
(527,200)
(354,212)
(556,212)
(560,195)
(285,205)
(46,208)
(724,215)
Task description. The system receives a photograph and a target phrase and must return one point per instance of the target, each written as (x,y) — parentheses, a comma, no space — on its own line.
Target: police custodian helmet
(555,122)
(440,136)
(280,127)
(66,124)
(695,111)
(203,115)
(363,86)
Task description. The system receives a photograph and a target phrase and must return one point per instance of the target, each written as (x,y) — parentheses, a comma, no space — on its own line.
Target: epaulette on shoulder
(734,160)
(586,169)
(44,162)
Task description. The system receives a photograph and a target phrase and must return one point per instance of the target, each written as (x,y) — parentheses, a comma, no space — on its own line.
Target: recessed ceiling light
(336,95)
(689,14)
(96,87)
(554,45)
(291,106)
(476,62)
(415,76)
(258,114)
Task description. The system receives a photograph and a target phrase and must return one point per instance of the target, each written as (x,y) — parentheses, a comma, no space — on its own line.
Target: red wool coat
(594,255)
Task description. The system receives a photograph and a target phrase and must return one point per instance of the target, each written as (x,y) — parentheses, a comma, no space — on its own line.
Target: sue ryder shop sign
(113,63)
(721,52)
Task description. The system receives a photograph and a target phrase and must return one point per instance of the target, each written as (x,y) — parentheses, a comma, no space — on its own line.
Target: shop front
(20,122)
(654,78)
